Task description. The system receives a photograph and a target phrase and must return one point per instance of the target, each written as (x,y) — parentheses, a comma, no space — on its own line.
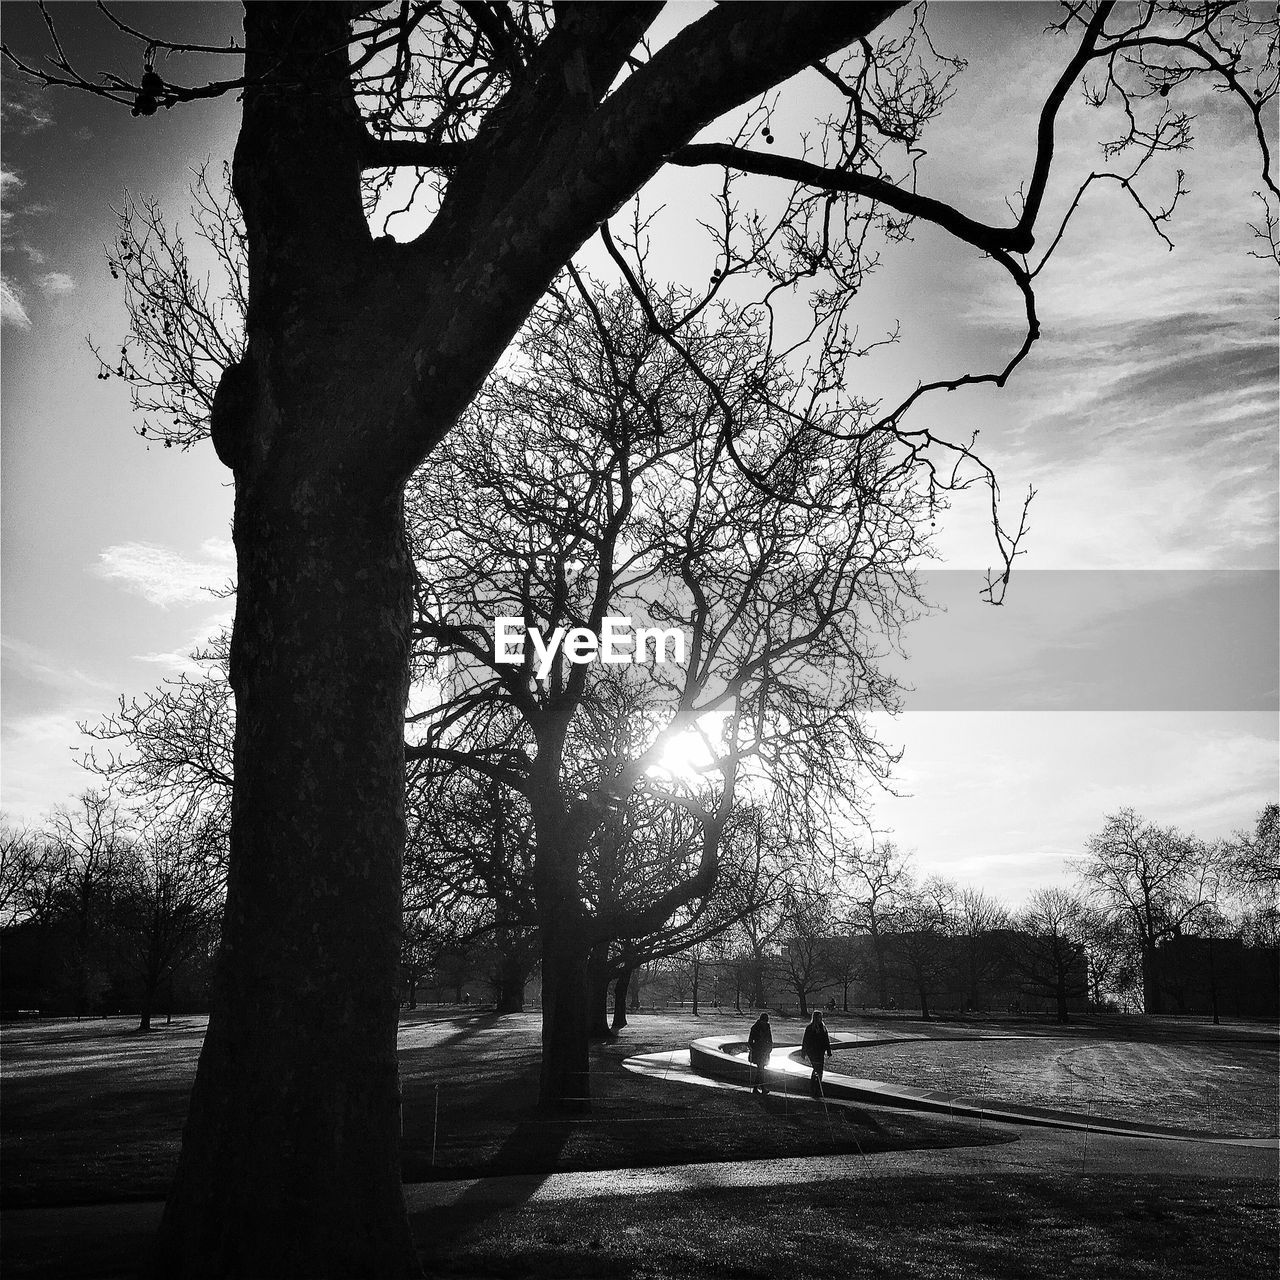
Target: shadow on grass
(534,1144)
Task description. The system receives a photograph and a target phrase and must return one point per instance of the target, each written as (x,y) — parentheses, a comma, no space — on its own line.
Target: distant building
(1203,976)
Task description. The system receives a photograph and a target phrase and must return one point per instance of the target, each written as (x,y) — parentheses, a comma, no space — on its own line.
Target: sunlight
(685,758)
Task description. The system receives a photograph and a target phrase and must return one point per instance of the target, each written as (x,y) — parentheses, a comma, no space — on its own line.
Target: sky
(1135,660)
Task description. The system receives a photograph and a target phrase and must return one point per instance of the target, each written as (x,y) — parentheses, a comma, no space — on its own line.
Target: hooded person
(815,1047)
(759,1049)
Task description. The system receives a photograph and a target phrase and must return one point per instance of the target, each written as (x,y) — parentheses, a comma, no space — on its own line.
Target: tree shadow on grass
(518,1169)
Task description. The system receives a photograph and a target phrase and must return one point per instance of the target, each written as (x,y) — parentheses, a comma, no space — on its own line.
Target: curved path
(722,1059)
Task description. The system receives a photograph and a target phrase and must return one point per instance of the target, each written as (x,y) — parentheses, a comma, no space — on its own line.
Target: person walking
(816,1048)
(759,1049)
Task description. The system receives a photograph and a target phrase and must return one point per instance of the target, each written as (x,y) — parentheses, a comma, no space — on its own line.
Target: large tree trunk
(565,1080)
(513,972)
(290,1161)
(598,996)
(620,987)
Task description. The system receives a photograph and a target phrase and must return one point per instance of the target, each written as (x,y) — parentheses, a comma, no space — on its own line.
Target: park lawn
(486,1121)
(1227,1085)
(1019,1226)
(93,1112)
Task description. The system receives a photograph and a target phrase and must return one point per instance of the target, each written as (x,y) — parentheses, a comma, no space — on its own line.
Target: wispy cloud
(11,309)
(54,284)
(28,662)
(164,577)
(24,107)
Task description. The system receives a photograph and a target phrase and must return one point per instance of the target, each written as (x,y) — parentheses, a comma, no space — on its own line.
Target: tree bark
(620,987)
(598,997)
(564,1083)
(290,1163)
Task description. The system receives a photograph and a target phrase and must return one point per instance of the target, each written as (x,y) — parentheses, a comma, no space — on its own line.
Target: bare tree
(168,899)
(173,748)
(584,490)
(1048,953)
(519,131)
(1251,875)
(876,880)
(20,855)
(1155,879)
(923,937)
(980,924)
(1115,965)
(87,846)
(808,919)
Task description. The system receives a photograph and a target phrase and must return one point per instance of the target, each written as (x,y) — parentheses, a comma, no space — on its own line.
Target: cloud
(23,661)
(178,661)
(54,284)
(11,309)
(23,107)
(164,577)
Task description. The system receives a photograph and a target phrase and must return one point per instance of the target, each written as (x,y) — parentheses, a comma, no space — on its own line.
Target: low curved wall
(723,1058)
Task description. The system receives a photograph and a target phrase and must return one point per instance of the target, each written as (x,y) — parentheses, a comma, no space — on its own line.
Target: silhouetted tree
(168,898)
(1154,879)
(1048,953)
(584,486)
(876,879)
(86,849)
(980,924)
(533,124)
(923,937)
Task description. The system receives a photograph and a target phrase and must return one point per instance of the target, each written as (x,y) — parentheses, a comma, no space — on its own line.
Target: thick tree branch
(987,238)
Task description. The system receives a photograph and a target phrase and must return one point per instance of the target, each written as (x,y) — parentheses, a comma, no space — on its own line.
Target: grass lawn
(1020,1226)
(93,1113)
(1224,1086)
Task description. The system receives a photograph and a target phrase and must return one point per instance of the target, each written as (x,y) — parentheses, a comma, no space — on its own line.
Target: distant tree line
(1158,921)
(110,908)
(107,910)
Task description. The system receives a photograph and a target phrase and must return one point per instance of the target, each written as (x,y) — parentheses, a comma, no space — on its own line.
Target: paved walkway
(722,1059)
